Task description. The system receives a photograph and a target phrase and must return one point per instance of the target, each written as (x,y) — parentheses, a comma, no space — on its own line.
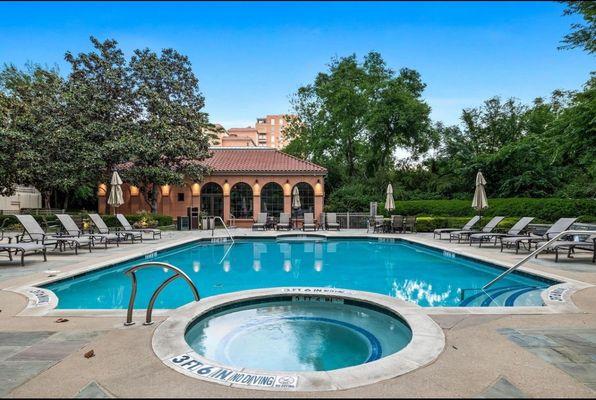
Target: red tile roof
(227,160)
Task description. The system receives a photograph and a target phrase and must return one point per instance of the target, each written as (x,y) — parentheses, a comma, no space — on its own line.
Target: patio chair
(309,222)
(397,223)
(464,234)
(588,243)
(284,221)
(409,224)
(72,229)
(332,221)
(561,225)
(466,227)
(322,222)
(378,224)
(128,227)
(515,230)
(102,228)
(36,234)
(261,222)
(24,248)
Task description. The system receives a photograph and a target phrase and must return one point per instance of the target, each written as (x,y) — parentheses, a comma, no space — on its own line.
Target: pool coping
(557,298)
(170,346)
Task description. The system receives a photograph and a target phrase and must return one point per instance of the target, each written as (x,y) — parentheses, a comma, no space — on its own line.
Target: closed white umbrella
(296,198)
(480,201)
(389,202)
(116,198)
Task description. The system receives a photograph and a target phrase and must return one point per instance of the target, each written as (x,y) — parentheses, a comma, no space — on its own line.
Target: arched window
(307,199)
(212,199)
(241,200)
(272,199)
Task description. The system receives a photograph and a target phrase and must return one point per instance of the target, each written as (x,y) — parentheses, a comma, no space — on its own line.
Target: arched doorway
(212,199)
(241,201)
(272,199)
(307,200)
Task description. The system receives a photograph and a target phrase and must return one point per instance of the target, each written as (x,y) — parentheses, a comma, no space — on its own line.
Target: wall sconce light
(226,188)
(318,189)
(256,189)
(134,191)
(102,190)
(195,189)
(287,190)
(165,190)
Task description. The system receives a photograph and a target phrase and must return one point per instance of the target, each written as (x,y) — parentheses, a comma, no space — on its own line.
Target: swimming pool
(401,269)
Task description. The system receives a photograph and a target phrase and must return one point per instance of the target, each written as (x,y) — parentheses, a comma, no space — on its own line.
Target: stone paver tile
(568,339)
(532,340)
(13,374)
(48,351)
(93,391)
(23,338)
(581,372)
(502,389)
(7,351)
(550,355)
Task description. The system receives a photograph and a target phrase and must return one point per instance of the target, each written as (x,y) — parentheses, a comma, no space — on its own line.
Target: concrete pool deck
(538,355)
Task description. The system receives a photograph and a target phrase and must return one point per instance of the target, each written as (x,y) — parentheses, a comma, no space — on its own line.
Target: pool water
(400,269)
(298,336)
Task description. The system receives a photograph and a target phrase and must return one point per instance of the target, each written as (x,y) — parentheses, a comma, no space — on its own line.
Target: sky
(251,56)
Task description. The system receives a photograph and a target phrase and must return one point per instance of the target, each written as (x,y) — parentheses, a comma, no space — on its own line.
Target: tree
(168,141)
(583,36)
(353,117)
(100,104)
(46,152)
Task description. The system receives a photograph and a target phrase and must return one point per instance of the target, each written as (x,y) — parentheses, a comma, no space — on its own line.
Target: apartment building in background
(267,132)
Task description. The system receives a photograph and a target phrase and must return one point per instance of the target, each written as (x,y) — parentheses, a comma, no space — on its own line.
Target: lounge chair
(464,234)
(332,221)
(128,227)
(261,222)
(72,229)
(466,227)
(514,231)
(397,223)
(588,243)
(36,234)
(102,228)
(561,225)
(309,222)
(23,248)
(284,221)
(409,224)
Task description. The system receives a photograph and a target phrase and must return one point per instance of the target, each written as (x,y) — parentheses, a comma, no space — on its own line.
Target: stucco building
(244,181)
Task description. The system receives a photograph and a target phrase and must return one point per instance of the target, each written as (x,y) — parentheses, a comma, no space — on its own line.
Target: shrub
(546,210)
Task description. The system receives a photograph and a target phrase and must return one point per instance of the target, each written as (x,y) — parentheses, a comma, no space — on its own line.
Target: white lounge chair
(128,227)
(514,231)
(466,227)
(73,230)
(36,234)
(464,234)
(102,228)
(561,225)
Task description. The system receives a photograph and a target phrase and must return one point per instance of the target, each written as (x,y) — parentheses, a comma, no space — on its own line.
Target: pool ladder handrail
(178,273)
(224,225)
(536,252)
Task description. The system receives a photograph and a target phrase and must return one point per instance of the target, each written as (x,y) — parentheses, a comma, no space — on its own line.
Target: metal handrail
(177,273)
(224,225)
(537,251)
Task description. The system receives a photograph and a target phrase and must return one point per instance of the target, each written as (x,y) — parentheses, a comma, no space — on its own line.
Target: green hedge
(545,210)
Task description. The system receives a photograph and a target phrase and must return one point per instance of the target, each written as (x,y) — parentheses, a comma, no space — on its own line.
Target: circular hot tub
(306,335)
(297,339)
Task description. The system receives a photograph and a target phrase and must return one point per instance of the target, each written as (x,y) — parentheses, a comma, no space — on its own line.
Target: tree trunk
(66,198)
(154,199)
(47,199)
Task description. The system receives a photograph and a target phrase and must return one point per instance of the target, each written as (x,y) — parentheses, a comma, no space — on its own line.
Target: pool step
(510,296)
